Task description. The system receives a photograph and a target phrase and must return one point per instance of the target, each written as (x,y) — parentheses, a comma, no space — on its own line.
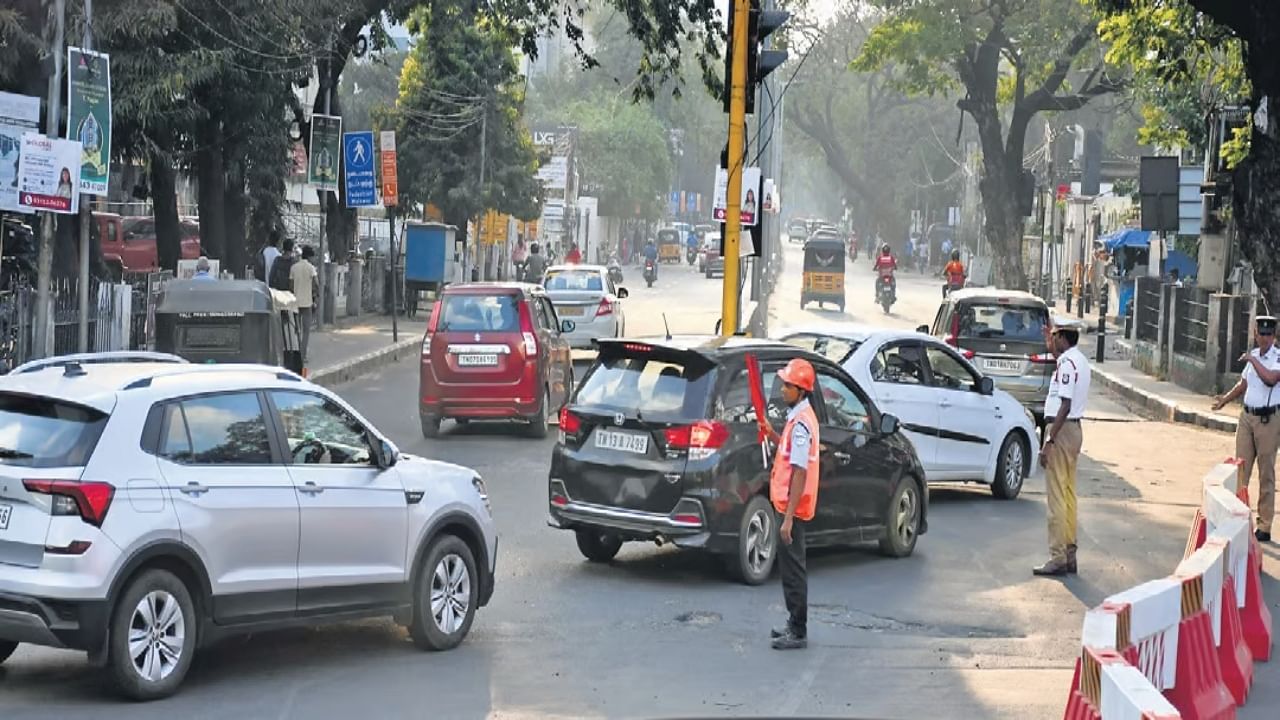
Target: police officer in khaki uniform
(1258,432)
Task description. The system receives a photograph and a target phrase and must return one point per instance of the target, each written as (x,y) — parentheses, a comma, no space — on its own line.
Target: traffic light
(760,62)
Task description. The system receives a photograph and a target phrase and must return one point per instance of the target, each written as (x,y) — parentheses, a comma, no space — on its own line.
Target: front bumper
(78,625)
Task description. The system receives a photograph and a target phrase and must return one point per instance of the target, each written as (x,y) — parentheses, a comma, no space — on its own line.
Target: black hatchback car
(660,444)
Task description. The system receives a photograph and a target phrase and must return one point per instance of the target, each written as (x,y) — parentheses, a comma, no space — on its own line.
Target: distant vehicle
(587,296)
(494,351)
(660,444)
(129,243)
(1002,332)
(712,261)
(963,427)
(797,231)
(148,510)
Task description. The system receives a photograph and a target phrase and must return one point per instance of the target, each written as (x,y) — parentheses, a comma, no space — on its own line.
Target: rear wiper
(9,454)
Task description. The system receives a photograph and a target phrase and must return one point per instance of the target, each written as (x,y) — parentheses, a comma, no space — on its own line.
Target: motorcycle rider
(651,255)
(535,265)
(954,272)
(885,264)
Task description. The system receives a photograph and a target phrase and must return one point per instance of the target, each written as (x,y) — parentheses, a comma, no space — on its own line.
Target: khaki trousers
(1256,443)
(1060,482)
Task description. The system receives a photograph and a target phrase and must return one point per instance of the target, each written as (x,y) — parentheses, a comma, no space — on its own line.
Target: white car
(584,295)
(963,427)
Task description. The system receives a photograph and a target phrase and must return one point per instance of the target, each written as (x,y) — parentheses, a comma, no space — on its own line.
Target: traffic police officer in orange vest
(1258,432)
(793,488)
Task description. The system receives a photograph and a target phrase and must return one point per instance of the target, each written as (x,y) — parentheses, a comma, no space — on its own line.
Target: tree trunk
(237,249)
(1256,180)
(340,222)
(211,178)
(164,198)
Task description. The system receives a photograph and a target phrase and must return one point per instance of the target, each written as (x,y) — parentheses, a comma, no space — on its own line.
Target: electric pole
(86,213)
(322,197)
(734,161)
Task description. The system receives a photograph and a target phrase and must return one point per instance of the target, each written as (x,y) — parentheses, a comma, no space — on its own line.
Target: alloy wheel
(1013,466)
(157,635)
(760,541)
(905,518)
(450,594)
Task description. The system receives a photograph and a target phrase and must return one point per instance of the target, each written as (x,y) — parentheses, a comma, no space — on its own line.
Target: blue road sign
(357,151)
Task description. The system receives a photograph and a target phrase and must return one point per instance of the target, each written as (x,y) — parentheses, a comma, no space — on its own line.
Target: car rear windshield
(479,313)
(665,388)
(1006,322)
(42,432)
(573,280)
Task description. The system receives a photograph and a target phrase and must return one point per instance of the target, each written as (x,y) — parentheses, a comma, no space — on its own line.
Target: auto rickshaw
(670,245)
(823,271)
(229,321)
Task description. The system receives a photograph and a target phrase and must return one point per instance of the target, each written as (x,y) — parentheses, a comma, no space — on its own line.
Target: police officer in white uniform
(1258,432)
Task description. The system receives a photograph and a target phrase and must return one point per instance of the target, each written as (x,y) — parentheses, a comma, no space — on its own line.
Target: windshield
(574,280)
(834,349)
(479,313)
(666,390)
(41,432)
(668,236)
(1007,322)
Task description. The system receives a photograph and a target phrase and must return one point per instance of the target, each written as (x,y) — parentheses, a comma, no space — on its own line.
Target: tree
(1229,49)
(1013,59)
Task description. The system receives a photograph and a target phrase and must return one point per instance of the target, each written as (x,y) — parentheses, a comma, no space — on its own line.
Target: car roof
(97,386)
(854,332)
(578,266)
(707,345)
(983,293)
(478,288)
(98,358)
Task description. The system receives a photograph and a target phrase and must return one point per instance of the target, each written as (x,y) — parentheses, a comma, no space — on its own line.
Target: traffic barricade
(1199,690)
(1085,700)
(1234,654)
(1127,695)
(1228,503)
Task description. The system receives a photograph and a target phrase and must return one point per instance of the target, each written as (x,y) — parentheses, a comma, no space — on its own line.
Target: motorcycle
(650,272)
(691,254)
(885,293)
(615,272)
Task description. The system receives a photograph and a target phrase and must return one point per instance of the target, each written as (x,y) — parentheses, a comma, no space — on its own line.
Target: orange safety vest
(780,478)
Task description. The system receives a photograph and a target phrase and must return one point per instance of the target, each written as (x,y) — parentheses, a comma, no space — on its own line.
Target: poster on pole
(357,150)
(89,116)
(770,202)
(49,175)
(749,201)
(390,181)
(19,114)
(326,143)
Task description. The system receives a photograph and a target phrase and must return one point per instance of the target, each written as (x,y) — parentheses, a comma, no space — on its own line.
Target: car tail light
(688,512)
(1043,359)
(89,500)
(527,332)
(431,329)
(702,438)
(605,308)
(569,421)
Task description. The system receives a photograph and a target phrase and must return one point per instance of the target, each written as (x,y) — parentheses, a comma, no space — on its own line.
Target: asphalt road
(959,630)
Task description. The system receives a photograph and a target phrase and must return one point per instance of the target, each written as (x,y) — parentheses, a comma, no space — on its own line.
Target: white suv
(149,509)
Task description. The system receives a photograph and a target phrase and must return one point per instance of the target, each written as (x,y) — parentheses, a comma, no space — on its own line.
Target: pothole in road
(843,616)
(699,618)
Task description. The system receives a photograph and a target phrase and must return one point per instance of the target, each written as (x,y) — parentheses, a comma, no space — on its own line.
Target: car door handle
(193,488)
(944,403)
(842,457)
(310,488)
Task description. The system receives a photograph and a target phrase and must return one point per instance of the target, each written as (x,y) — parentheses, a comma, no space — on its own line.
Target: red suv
(494,351)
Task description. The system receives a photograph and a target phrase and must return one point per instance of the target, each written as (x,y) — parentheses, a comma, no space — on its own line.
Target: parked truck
(129,243)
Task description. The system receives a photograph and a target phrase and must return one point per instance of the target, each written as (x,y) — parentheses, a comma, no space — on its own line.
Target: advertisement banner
(750,186)
(89,116)
(326,143)
(770,204)
(19,114)
(357,149)
(390,181)
(49,175)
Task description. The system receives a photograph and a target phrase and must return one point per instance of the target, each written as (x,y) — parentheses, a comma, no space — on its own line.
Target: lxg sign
(557,136)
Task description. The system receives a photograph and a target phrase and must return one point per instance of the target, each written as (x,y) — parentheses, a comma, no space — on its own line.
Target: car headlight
(478,484)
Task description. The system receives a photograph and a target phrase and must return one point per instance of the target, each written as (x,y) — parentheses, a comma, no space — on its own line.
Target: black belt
(1261,411)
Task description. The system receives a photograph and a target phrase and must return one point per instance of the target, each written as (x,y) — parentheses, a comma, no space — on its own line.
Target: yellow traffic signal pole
(733,199)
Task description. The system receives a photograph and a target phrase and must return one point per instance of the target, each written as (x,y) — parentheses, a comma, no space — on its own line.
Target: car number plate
(995,364)
(570,311)
(5,512)
(478,359)
(624,441)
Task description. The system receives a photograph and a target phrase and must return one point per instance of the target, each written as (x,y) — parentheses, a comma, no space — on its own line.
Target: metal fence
(1191,328)
(1147,309)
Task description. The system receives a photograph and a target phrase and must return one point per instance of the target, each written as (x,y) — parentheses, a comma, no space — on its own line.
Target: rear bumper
(647,524)
(77,625)
(479,409)
(584,334)
(515,400)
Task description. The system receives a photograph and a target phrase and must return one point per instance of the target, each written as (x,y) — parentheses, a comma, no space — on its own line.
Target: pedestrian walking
(793,489)
(1068,398)
(1258,432)
(303,275)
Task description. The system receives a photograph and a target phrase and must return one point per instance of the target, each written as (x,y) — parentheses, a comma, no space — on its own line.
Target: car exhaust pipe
(659,540)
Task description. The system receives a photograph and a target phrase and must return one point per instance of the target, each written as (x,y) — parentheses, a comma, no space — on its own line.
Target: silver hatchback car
(147,509)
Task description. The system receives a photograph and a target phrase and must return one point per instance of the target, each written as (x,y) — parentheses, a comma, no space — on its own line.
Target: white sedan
(585,295)
(963,427)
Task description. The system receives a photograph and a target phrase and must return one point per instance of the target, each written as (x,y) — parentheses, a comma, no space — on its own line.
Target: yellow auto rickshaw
(669,246)
(823,272)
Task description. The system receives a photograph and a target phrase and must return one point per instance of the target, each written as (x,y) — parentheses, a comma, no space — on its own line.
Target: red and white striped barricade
(1128,695)
(1199,691)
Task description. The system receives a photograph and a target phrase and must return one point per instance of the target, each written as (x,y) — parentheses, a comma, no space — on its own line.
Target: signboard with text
(357,152)
(19,114)
(326,143)
(89,116)
(390,181)
(748,200)
(49,175)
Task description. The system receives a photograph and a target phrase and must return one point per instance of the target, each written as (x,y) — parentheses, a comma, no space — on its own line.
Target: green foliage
(369,88)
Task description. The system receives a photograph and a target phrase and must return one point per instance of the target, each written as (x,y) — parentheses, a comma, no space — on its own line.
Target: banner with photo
(89,116)
(19,114)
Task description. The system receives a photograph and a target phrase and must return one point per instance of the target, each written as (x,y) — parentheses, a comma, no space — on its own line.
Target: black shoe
(790,641)
(1263,535)
(776,633)
(1053,568)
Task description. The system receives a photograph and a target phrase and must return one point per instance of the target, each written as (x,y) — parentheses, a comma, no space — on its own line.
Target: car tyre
(902,519)
(757,543)
(1011,468)
(598,546)
(430,426)
(7,648)
(538,423)
(153,619)
(444,604)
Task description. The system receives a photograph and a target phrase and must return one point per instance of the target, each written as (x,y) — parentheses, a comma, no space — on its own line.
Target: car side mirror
(622,293)
(567,326)
(888,424)
(923,329)
(388,456)
(985,386)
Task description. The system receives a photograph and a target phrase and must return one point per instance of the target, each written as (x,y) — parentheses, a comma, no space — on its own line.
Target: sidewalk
(357,346)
